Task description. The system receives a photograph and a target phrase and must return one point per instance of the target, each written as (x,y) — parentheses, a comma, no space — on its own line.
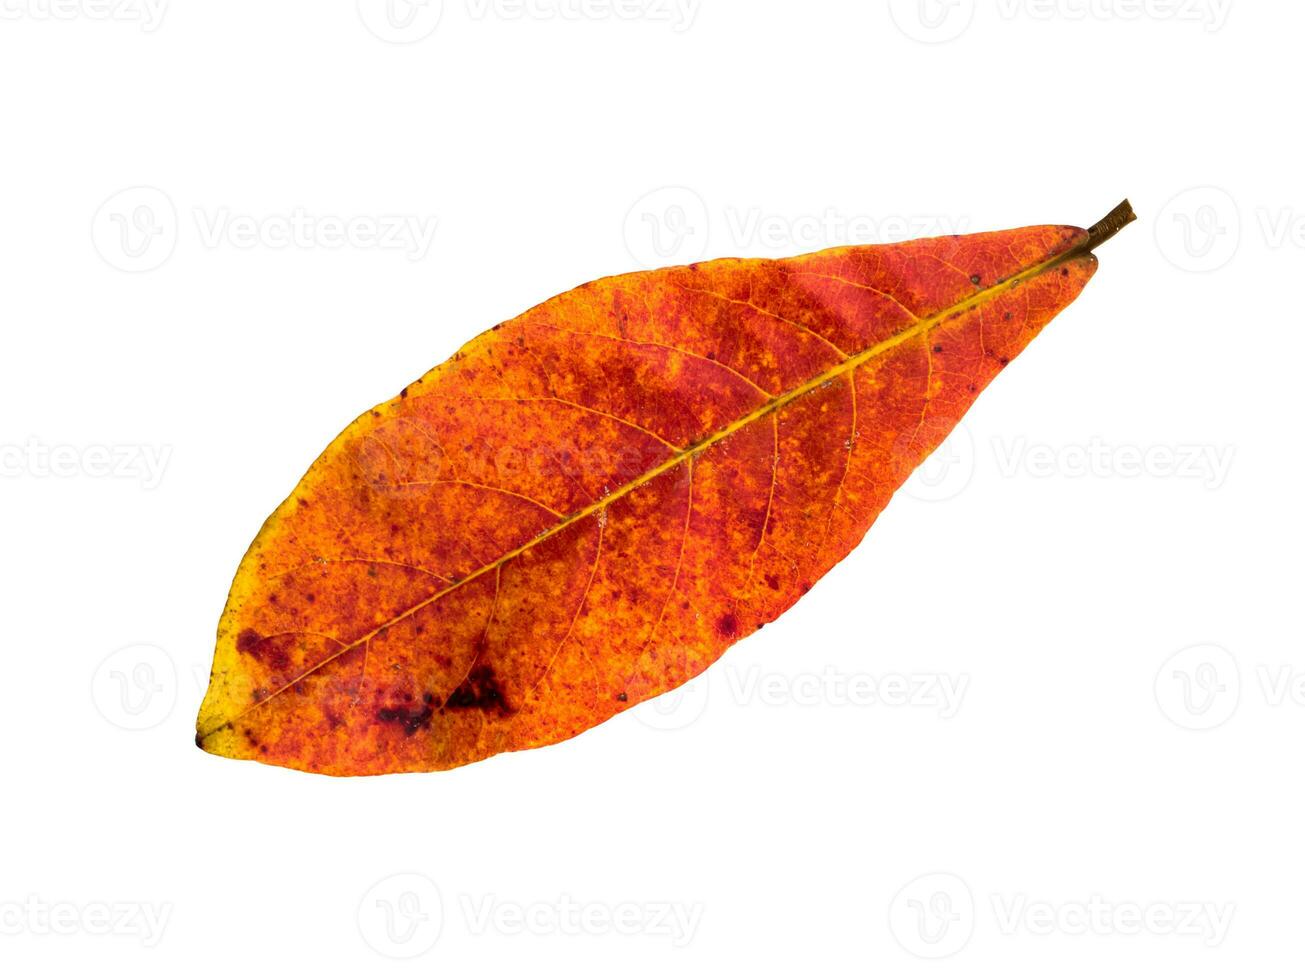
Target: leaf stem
(1109,226)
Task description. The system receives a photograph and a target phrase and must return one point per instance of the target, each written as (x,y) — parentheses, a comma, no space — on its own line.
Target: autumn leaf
(586,505)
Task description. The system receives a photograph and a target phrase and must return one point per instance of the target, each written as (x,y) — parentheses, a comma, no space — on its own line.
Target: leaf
(589,503)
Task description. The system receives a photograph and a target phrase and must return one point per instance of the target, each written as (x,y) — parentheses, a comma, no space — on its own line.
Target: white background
(1102,566)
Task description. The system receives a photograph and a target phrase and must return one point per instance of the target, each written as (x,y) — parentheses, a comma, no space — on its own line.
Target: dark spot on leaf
(248,640)
(271,650)
(728,625)
(480,690)
(975,279)
(623,696)
(412,719)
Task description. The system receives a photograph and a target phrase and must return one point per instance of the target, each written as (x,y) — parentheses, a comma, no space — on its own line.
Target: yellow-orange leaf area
(589,503)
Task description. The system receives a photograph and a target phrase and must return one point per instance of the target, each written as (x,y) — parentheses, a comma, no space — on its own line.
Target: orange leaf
(589,503)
